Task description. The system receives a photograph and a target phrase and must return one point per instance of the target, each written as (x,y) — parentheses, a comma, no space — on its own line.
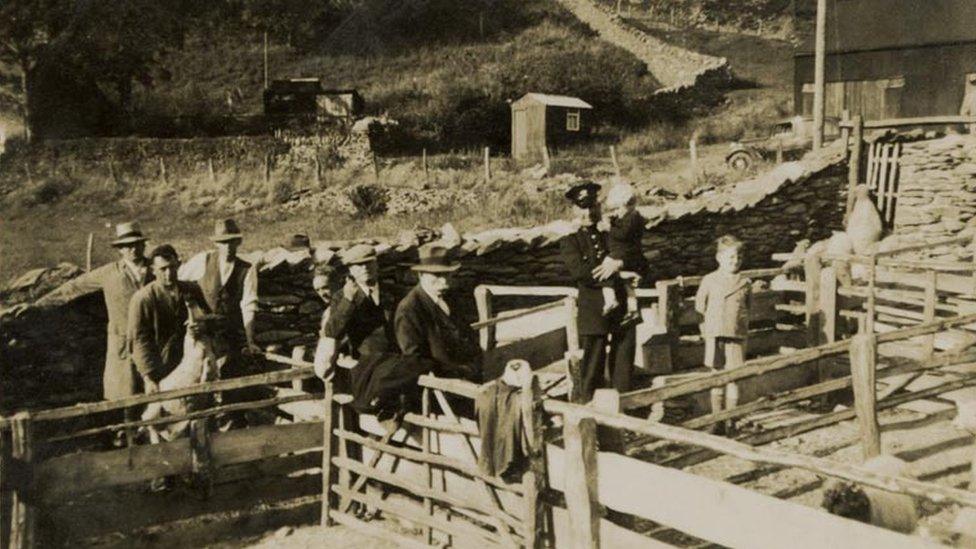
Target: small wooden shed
(540,120)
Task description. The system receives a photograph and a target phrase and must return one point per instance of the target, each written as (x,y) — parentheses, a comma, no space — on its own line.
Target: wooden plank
(89,408)
(872,165)
(464,499)
(854,163)
(540,351)
(403,508)
(328,420)
(931,491)
(377,531)
(611,534)
(22,507)
(724,513)
(534,480)
(454,386)
(882,176)
(482,299)
(517,313)
(580,478)
(923,246)
(863,353)
(426,448)
(440,425)
(892,185)
(87,471)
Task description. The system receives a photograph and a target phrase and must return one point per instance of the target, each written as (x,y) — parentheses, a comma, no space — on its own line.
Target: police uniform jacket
(582,252)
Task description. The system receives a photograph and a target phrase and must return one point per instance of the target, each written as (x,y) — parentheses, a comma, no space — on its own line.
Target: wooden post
(298,353)
(546,160)
(613,158)
(487,165)
(845,132)
(854,163)
(22,511)
(693,153)
(318,171)
(779,151)
(931,297)
(482,298)
(88,252)
(210,171)
(618,8)
(265,59)
(267,169)
(201,456)
(813,316)
(819,74)
(111,173)
(423,161)
(581,482)
(162,170)
(608,401)
(428,470)
(863,353)
(828,304)
(572,330)
(872,279)
(534,480)
(328,420)
(376,167)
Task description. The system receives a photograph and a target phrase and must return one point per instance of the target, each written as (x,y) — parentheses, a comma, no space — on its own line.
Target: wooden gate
(882,178)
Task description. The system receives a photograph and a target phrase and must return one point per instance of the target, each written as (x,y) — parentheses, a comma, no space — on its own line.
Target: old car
(789,138)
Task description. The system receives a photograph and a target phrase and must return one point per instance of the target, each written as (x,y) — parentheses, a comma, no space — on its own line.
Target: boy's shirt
(723,300)
(625,235)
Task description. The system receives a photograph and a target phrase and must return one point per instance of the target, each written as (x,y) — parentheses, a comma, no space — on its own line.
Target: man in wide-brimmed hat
(426,327)
(586,256)
(118,281)
(230,287)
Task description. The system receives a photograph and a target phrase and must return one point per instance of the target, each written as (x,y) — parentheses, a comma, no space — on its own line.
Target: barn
(542,120)
(306,96)
(891,58)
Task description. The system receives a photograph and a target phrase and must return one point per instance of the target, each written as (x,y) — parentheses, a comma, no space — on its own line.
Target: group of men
(149,300)
(391,348)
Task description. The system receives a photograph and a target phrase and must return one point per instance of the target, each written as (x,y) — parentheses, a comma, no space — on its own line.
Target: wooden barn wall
(934,76)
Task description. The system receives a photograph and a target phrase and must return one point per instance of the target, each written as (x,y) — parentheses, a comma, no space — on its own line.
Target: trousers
(597,360)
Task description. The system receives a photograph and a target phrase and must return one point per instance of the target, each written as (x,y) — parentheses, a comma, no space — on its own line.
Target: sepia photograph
(542,274)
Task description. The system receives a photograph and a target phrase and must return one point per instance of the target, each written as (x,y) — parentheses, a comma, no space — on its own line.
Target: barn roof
(557,100)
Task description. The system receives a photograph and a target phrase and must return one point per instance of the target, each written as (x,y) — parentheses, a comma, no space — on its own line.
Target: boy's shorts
(723,353)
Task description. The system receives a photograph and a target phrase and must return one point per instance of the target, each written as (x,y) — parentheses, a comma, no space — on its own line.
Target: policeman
(585,254)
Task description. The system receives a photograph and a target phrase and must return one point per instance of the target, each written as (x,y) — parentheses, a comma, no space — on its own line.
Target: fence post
(828,304)
(318,171)
(581,481)
(88,252)
(931,297)
(845,132)
(872,278)
(298,353)
(572,330)
(328,419)
(210,171)
(487,165)
(863,354)
(162,170)
(201,456)
(534,480)
(613,158)
(693,153)
(813,316)
(854,163)
(267,169)
(482,298)
(546,159)
(22,511)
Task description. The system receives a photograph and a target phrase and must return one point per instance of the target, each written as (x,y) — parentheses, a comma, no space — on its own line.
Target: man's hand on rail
(149,385)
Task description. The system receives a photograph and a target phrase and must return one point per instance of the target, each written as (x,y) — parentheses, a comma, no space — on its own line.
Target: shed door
(519,128)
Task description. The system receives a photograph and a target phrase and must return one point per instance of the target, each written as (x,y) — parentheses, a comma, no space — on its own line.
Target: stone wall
(54,357)
(936,187)
(687,77)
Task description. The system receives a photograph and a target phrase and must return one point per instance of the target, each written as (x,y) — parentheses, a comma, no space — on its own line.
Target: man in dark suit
(585,254)
(426,328)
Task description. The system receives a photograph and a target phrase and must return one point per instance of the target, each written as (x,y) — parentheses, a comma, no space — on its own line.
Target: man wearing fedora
(585,254)
(426,328)
(230,287)
(118,281)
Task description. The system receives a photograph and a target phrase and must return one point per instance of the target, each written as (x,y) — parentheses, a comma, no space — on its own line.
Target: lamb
(199,365)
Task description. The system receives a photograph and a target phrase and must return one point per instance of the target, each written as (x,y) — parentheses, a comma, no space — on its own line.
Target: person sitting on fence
(380,382)
(723,301)
(625,229)
(428,331)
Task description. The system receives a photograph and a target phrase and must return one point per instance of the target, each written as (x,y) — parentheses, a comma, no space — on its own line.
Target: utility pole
(819,76)
(265,59)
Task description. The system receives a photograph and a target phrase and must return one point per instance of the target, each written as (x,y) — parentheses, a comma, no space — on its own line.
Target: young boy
(723,301)
(625,229)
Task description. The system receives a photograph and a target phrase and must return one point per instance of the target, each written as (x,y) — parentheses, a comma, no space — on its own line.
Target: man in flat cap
(426,328)
(585,254)
(118,281)
(359,324)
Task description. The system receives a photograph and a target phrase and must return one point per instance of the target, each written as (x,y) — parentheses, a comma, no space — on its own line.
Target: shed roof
(557,100)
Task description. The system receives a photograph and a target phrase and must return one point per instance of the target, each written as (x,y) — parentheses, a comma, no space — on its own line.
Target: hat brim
(128,240)
(359,261)
(435,268)
(227,237)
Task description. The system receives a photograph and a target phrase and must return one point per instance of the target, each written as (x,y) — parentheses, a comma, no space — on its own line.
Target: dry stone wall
(54,357)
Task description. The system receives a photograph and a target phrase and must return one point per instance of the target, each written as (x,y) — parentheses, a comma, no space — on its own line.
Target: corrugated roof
(559,100)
